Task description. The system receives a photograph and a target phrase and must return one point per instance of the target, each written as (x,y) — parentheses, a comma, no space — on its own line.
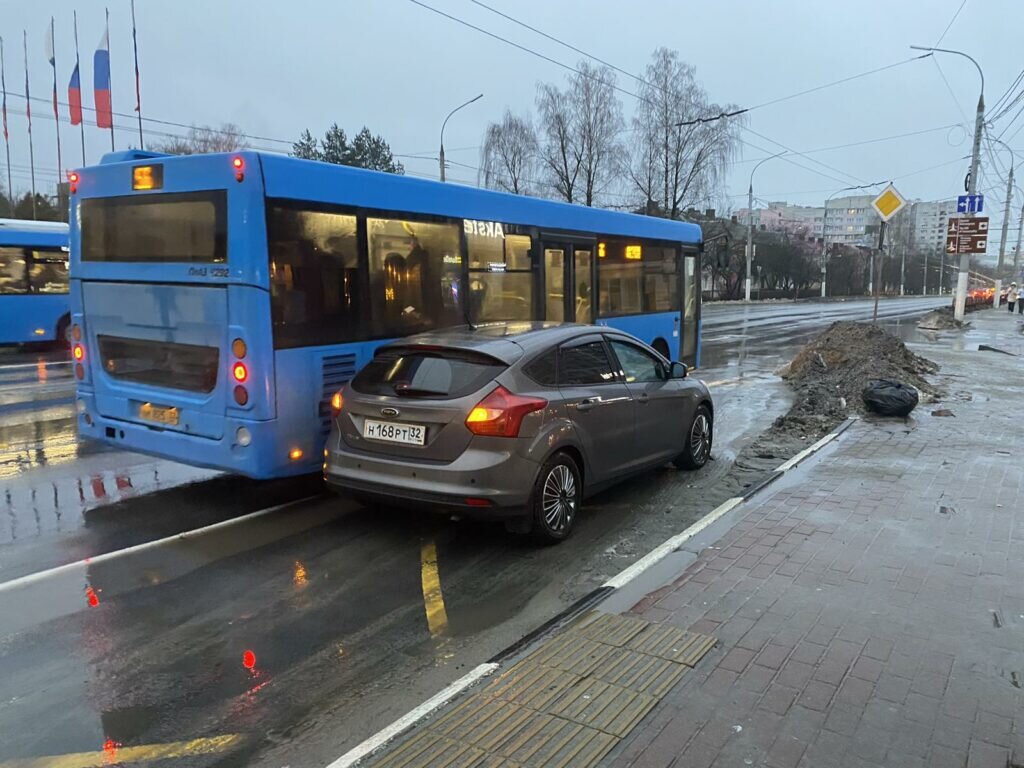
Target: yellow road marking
(128,755)
(433,599)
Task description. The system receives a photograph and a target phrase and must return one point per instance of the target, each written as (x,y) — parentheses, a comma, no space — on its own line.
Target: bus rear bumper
(257,460)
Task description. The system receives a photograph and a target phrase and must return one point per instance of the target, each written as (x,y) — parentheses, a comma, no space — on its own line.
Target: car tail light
(501,413)
(337,402)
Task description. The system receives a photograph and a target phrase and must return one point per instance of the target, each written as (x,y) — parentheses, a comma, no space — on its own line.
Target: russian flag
(75,97)
(101,83)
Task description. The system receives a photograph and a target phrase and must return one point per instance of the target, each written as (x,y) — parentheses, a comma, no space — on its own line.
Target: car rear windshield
(444,374)
(185,227)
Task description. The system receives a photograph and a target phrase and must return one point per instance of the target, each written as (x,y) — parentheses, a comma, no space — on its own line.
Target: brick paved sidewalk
(871,611)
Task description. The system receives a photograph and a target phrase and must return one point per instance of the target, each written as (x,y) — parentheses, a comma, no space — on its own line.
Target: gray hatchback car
(518,421)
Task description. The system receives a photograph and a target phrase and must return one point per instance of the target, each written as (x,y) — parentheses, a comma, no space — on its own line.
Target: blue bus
(219,301)
(33,281)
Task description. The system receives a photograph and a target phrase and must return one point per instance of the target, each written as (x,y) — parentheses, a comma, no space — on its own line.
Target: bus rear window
(185,227)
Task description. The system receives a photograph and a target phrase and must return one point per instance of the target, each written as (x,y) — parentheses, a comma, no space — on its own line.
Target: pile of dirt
(941,320)
(828,376)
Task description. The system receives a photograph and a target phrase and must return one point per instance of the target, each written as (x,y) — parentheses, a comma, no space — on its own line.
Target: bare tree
(509,156)
(202,139)
(598,118)
(559,152)
(671,165)
(580,149)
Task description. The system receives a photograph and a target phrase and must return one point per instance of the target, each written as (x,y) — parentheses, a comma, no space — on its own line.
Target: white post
(995,296)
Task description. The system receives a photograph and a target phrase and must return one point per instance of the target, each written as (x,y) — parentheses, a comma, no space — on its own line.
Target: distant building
(929,221)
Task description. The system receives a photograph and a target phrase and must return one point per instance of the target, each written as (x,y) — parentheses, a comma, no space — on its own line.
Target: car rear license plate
(409,434)
(158,413)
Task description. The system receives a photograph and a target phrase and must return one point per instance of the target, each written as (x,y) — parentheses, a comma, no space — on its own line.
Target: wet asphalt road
(351,615)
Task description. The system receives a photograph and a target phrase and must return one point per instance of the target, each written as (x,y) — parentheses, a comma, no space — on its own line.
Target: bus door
(568,280)
(689,290)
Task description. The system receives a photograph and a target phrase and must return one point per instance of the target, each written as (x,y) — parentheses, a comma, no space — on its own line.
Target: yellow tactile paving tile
(565,705)
(610,629)
(609,708)
(672,643)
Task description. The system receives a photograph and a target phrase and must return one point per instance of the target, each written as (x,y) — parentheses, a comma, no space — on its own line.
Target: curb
(383,737)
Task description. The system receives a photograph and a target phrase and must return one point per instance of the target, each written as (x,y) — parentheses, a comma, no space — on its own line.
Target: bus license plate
(409,434)
(158,413)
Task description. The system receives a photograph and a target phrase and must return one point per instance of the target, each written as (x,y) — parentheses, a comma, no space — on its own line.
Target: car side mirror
(678,371)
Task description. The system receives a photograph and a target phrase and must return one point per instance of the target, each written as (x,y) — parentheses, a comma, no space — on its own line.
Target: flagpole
(7,140)
(110,82)
(28,114)
(138,92)
(56,113)
(78,67)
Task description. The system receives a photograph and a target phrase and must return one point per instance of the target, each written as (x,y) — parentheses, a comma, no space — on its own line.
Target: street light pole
(960,302)
(441,155)
(750,223)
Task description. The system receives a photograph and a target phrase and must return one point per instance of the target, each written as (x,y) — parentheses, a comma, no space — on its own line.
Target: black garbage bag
(889,398)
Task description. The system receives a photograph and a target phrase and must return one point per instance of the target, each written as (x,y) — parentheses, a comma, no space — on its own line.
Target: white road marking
(662,551)
(412,717)
(32,578)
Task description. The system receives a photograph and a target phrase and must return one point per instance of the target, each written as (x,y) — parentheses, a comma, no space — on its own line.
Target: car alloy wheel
(700,438)
(559,498)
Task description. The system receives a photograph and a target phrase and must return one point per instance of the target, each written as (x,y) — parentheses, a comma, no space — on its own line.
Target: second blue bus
(33,281)
(219,301)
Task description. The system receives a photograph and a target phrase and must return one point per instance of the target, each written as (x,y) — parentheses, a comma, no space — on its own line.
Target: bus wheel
(62,338)
(661,347)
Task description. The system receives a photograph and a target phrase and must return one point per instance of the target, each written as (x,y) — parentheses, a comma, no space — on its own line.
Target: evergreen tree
(369,151)
(364,151)
(306,147)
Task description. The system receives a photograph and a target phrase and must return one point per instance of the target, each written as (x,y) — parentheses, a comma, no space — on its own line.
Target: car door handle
(642,398)
(587,403)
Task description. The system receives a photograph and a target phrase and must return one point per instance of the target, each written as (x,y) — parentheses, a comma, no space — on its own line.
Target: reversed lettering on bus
(483,228)
(197,271)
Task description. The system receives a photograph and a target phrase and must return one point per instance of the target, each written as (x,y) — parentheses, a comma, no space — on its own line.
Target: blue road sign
(970,203)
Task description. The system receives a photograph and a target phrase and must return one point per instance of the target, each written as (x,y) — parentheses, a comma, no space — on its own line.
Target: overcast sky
(275,68)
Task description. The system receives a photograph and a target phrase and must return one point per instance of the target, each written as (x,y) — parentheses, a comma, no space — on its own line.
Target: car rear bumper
(484,482)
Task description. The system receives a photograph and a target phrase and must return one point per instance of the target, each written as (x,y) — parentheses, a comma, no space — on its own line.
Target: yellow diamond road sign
(889,203)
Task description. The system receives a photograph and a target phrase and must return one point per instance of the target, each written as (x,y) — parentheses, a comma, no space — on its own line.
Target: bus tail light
(238,348)
(337,402)
(243,436)
(76,332)
(240,372)
(241,395)
(78,352)
(79,371)
(73,181)
(295,454)
(501,413)
(239,165)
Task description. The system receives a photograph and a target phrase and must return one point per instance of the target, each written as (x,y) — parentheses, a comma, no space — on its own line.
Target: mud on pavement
(827,377)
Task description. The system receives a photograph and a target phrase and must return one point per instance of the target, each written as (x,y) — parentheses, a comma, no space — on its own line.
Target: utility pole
(1006,218)
(960,302)
(1016,251)
(924,281)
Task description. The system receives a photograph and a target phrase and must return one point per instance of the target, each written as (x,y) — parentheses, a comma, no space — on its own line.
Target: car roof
(506,341)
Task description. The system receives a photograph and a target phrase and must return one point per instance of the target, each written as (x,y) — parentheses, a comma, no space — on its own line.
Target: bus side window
(48,271)
(414,274)
(13,272)
(314,264)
